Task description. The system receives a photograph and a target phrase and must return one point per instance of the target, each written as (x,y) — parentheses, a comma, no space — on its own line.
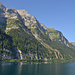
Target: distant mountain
(73,43)
(31,39)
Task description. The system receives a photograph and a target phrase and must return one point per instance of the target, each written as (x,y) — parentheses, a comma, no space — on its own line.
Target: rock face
(25,17)
(11,13)
(58,54)
(7,13)
(18,53)
(6,16)
(23,13)
(63,39)
(30,21)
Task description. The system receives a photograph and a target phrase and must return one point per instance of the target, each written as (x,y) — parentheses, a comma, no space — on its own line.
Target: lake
(19,68)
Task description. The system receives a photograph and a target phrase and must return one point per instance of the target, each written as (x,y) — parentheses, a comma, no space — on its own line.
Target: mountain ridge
(49,43)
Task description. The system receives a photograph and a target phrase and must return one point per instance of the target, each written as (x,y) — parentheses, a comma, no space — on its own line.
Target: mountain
(30,38)
(73,43)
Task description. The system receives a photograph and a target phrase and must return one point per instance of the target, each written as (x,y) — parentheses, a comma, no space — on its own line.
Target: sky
(57,14)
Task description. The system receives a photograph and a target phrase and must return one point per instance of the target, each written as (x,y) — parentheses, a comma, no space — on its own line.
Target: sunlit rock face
(6,16)
(30,21)
(23,13)
(63,39)
(11,13)
(7,13)
(26,17)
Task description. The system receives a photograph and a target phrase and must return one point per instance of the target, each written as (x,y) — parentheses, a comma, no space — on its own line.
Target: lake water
(37,68)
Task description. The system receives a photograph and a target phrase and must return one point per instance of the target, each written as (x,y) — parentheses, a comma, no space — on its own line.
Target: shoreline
(39,60)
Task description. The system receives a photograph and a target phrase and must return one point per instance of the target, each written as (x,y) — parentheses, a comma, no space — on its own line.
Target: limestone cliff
(63,39)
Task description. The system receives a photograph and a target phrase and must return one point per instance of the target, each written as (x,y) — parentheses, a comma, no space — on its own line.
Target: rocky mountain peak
(33,18)
(23,13)
(43,26)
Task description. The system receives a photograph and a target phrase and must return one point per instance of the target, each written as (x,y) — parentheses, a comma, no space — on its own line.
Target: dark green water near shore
(37,68)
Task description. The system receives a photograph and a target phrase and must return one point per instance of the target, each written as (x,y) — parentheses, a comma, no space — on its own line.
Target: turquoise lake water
(37,68)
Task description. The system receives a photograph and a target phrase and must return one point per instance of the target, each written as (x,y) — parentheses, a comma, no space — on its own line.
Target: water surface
(37,68)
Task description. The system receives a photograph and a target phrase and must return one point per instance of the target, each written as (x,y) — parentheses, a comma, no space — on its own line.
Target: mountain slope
(48,37)
(32,38)
(5,40)
(22,37)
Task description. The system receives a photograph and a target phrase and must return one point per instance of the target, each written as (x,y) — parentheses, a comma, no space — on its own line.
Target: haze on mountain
(24,37)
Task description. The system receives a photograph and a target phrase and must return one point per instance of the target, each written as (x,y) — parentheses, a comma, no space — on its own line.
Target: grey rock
(63,39)
(23,13)
(2,8)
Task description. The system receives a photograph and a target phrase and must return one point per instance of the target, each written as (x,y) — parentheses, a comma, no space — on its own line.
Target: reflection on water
(32,68)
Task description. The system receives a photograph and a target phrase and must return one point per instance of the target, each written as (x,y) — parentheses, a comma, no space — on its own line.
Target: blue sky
(57,14)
